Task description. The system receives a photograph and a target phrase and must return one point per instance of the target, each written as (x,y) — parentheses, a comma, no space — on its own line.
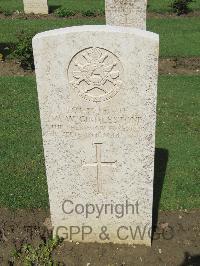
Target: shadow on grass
(161,159)
(191,260)
(52,8)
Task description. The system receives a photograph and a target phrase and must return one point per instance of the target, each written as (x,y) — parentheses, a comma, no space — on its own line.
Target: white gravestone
(126,13)
(97,88)
(35,6)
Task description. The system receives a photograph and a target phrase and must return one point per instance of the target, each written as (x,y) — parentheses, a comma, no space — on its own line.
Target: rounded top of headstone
(98,28)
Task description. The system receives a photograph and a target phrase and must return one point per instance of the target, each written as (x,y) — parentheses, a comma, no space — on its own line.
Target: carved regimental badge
(96,74)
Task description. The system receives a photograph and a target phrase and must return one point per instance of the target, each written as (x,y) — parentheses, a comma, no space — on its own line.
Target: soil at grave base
(27,226)
(171,66)
(13,68)
(21,15)
(185,66)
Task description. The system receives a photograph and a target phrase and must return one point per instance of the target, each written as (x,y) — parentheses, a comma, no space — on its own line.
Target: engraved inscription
(96,74)
(99,164)
(81,122)
(131,13)
(123,9)
(122,4)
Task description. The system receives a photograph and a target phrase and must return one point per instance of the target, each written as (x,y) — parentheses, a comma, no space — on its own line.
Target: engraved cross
(99,164)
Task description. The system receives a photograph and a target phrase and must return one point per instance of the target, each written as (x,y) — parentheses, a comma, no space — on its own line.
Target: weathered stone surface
(97,88)
(126,13)
(35,6)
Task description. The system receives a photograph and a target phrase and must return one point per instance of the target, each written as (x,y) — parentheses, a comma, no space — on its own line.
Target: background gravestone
(126,13)
(97,88)
(35,6)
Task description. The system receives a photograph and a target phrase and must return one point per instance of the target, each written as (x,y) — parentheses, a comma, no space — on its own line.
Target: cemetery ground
(23,190)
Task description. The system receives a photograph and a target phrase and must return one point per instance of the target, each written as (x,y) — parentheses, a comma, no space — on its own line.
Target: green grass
(83,5)
(178,37)
(75,5)
(163,6)
(23,181)
(9,28)
(178,132)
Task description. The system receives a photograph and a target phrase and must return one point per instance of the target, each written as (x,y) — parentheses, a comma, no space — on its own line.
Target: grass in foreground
(179,37)
(178,132)
(83,5)
(22,178)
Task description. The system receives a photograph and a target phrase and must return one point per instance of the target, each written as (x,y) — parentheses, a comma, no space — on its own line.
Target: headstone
(97,88)
(35,6)
(126,13)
